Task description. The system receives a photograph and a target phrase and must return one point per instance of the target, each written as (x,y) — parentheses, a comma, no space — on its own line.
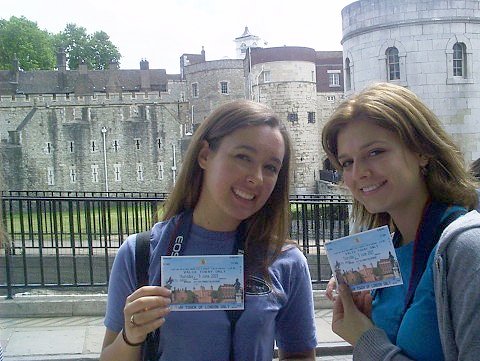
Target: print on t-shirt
(256,286)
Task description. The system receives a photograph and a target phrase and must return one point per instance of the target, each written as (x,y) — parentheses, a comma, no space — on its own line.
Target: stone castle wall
(424,33)
(208,77)
(56,142)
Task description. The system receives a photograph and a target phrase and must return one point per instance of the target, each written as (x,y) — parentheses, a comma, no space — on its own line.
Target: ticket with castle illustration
(365,260)
(200,283)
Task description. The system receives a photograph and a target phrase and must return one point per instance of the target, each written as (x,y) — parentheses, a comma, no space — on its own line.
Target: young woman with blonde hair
(405,171)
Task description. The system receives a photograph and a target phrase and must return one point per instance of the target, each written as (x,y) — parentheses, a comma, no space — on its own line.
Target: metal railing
(69,239)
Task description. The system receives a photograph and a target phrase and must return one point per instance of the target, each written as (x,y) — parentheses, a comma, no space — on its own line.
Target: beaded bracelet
(124,335)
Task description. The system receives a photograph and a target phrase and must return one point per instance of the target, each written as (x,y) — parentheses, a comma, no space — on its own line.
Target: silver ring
(132,320)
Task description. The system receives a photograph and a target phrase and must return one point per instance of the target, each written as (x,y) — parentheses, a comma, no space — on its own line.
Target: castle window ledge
(398,82)
(459,80)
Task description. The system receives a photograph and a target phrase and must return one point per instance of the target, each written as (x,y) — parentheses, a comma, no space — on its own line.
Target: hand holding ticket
(365,260)
(201,283)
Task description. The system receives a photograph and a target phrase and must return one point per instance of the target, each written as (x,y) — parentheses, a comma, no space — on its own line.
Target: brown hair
(399,110)
(266,230)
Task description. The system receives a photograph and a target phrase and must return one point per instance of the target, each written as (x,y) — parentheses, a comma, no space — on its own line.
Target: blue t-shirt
(417,333)
(284,314)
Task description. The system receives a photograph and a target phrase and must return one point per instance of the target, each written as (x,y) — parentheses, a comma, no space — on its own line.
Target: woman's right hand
(145,311)
(348,321)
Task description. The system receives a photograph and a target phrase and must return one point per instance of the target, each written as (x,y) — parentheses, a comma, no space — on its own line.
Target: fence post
(7,253)
(8,271)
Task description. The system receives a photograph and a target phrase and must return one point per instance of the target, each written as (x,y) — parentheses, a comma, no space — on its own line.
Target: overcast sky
(162,30)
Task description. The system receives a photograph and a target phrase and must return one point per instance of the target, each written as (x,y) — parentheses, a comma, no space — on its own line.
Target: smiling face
(239,176)
(380,171)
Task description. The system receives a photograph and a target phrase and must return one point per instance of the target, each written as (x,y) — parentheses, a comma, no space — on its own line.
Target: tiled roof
(286,53)
(81,82)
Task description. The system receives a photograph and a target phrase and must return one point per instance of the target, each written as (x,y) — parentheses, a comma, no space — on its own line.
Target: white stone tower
(430,46)
(246,41)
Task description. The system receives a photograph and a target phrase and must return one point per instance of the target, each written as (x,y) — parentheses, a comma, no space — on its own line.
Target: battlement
(20,100)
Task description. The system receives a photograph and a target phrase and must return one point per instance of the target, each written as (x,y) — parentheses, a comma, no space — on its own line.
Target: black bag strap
(142,258)
(142,263)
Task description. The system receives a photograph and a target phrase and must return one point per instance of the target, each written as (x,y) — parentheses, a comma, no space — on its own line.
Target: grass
(74,217)
(320,211)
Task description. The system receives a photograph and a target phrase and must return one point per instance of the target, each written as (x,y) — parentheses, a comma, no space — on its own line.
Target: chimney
(145,83)
(14,73)
(144,65)
(114,64)
(82,67)
(61,60)
(15,63)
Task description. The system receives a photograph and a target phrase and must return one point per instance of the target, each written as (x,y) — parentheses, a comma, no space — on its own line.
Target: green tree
(21,38)
(74,40)
(95,50)
(102,50)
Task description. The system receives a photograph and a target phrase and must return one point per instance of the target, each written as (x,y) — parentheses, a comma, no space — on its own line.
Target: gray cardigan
(456,278)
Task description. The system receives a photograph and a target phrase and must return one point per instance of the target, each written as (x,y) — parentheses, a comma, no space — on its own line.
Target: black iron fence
(69,239)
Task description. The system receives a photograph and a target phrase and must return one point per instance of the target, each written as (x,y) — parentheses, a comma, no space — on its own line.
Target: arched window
(348,77)
(459,59)
(458,52)
(393,63)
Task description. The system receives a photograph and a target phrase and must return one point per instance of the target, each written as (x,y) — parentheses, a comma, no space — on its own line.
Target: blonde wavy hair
(266,230)
(399,110)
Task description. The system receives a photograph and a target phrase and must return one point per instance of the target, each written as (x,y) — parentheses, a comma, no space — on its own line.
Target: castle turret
(285,79)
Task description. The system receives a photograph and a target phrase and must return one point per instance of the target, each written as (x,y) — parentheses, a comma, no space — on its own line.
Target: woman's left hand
(348,321)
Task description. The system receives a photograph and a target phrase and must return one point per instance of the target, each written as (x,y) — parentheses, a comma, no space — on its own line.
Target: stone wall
(57,143)
(424,33)
(208,77)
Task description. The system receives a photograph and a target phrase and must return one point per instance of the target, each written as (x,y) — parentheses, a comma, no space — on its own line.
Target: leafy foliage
(102,51)
(97,51)
(36,49)
(73,40)
(21,38)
